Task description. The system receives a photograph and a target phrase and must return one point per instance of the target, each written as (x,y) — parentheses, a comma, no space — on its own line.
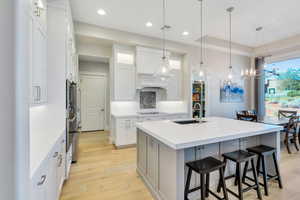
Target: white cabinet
(174,86)
(46,182)
(39,183)
(124,73)
(39,12)
(126,132)
(152,162)
(124,128)
(38,41)
(142,152)
(52,189)
(124,82)
(61,164)
(148,61)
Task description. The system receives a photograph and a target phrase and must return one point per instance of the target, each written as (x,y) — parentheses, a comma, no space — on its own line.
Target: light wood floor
(104,173)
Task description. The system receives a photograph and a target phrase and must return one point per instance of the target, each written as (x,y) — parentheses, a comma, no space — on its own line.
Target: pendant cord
(164,29)
(201,32)
(230,41)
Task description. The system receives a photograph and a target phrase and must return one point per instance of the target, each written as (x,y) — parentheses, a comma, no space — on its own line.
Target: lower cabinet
(39,183)
(147,159)
(152,162)
(124,129)
(47,181)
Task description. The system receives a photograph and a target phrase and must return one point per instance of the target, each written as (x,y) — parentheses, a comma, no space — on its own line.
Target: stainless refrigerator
(72,119)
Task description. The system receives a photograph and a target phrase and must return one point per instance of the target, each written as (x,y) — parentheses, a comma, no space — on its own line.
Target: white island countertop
(216,129)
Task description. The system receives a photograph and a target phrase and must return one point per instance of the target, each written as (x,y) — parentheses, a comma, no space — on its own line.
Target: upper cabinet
(38,40)
(174,83)
(39,12)
(148,60)
(124,72)
(72,57)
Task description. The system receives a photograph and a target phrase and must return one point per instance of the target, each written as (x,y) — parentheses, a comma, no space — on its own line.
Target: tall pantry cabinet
(38,41)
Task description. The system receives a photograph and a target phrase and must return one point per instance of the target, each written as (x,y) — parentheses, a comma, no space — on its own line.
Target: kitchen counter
(163,148)
(215,129)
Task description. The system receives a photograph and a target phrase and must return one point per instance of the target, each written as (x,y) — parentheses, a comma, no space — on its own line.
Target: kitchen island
(163,148)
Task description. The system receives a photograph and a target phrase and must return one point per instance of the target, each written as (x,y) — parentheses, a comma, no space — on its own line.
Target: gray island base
(163,148)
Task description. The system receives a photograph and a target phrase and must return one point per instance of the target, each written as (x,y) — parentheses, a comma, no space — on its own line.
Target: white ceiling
(280,18)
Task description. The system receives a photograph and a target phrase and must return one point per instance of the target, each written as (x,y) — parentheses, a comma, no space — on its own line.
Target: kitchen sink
(184,122)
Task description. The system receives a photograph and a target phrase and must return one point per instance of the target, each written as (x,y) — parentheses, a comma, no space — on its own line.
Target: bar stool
(262,152)
(240,157)
(204,167)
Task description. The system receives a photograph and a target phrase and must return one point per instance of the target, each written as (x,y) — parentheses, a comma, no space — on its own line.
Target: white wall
(217,70)
(102,68)
(7,105)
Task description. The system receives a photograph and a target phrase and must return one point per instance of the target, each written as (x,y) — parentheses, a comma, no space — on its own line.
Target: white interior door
(93,91)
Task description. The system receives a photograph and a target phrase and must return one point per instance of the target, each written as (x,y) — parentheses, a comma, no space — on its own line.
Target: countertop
(135,114)
(216,129)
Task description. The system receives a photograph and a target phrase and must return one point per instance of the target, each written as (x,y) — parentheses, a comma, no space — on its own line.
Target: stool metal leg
(239,181)
(220,181)
(265,175)
(258,165)
(223,184)
(236,176)
(187,185)
(256,180)
(277,170)
(245,171)
(202,178)
(207,185)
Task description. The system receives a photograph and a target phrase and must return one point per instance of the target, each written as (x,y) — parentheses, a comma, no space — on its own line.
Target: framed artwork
(231,92)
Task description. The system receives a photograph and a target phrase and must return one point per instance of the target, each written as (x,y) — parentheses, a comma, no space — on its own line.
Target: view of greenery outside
(282,86)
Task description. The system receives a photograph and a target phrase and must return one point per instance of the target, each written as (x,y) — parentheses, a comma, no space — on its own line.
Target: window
(282,86)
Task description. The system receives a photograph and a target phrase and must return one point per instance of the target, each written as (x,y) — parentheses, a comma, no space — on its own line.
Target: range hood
(149,81)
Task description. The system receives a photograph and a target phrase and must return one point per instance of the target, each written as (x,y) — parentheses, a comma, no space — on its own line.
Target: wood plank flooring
(104,173)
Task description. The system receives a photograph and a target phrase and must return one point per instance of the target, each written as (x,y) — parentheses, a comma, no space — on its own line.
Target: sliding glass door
(282,86)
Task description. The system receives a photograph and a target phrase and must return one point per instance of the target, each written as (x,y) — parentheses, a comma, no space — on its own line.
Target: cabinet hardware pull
(55,155)
(43,179)
(39,93)
(60,160)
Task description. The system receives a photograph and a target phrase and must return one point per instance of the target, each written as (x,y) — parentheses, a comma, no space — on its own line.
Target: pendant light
(164,70)
(230,74)
(201,73)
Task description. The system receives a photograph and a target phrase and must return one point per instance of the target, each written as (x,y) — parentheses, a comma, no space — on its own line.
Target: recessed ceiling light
(149,24)
(101,12)
(185,33)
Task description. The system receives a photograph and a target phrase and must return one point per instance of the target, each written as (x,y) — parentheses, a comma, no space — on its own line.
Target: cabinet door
(52,189)
(61,164)
(142,152)
(148,60)
(152,164)
(39,65)
(39,183)
(39,12)
(174,86)
(124,82)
